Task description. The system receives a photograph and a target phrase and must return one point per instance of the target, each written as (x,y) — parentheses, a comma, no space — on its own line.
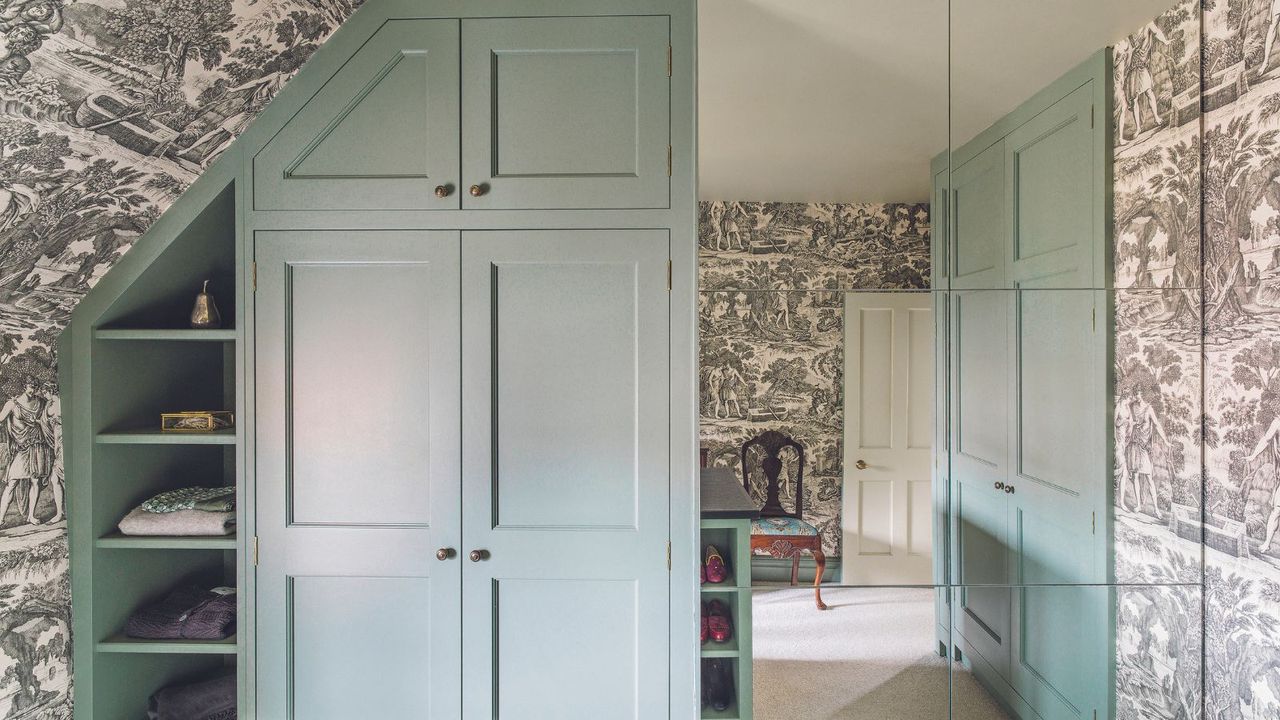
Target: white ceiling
(846,100)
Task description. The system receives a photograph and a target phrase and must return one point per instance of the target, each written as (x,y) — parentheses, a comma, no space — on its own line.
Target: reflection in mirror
(818,123)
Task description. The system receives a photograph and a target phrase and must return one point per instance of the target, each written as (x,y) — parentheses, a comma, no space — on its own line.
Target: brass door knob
(477,190)
(478,555)
(1008,489)
(445,553)
(443,191)
(999,485)
(861,464)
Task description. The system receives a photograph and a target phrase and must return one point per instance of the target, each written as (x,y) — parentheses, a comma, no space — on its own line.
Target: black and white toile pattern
(109,109)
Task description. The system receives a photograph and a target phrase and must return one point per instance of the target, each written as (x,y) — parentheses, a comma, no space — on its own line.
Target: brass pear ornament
(204,316)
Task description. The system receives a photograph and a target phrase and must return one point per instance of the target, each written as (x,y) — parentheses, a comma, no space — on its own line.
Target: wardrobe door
(381,134)
(565,474)
(566,112)
(358,475)
(977,221)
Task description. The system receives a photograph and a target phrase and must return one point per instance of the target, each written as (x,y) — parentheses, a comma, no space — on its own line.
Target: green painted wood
(118,541)
(733,538)
(166,335)
(565,449)
(122,644)
(381,134)
(356,570)
(150,436)
(976,220)
(1049,176)
(566,112)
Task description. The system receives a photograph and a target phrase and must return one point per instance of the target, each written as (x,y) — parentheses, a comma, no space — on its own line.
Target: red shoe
(719,625)
(714,566)
(704,623)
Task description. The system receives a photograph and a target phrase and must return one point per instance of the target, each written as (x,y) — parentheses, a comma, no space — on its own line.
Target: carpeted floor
(872,656)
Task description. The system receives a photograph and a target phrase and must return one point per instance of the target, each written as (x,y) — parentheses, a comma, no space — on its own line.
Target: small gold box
(196,421)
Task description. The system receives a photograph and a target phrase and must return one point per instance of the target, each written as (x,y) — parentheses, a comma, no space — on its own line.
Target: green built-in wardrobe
(1021,259)
(456,261)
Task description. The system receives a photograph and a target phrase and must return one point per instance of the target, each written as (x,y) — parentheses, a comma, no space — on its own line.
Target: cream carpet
(872,656)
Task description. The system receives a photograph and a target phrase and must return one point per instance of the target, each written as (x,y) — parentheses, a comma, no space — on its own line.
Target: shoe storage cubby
(129,356)
(733,540)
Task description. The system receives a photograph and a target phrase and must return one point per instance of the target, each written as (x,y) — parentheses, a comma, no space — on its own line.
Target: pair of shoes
(714,569)
(717,683)
(716,622)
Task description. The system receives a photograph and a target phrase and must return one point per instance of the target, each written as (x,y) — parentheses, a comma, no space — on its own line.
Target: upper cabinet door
(566,113)
(381,134)
(977,221)
(1053,193)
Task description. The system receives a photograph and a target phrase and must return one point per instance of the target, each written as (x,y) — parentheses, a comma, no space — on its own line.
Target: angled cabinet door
(358,475)
(381,134)
(1054,178)
(977,221)
(566,113)
(566,474)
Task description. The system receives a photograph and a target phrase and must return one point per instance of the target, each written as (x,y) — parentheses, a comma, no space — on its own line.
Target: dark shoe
(714,565)
(717,683)
(719,624)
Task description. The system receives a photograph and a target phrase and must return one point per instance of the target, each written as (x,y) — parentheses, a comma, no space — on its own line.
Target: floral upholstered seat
(782,526)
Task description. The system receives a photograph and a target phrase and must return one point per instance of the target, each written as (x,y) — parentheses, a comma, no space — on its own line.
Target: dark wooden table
(724,498)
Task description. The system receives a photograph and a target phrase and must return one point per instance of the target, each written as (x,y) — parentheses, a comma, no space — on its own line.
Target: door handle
(861,464)
(1008,489)
(445,553)
(443,191)
(478,190)
(478,555)
(1000,485)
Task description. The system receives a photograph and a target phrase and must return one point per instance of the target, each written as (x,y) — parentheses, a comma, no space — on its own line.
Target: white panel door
(888,439)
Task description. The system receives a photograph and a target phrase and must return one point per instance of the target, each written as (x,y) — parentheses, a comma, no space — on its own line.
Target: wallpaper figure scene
(109,109)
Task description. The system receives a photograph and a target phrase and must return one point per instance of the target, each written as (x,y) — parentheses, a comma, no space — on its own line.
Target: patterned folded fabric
(179,522)
(209,700)
(216,499)
(187,613)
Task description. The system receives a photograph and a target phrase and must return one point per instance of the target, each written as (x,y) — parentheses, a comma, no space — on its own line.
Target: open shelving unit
(128,356)
(732,537)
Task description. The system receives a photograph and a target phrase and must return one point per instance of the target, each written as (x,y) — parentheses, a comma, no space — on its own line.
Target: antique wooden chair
(780,533)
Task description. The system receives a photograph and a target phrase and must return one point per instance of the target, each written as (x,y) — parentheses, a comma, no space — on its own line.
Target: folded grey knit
(188,613)
(179,522)
(209,700)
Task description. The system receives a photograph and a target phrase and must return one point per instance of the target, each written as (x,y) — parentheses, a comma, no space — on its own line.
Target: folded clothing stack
(188,613)
(189,511)
(209,700)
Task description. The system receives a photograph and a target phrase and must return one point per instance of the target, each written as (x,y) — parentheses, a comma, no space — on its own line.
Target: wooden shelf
(120,644)
(151,436)
(713,649)
(731,714)
(175,335)
(166,542)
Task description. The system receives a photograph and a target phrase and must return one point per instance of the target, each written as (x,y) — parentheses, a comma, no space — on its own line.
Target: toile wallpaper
(771,320)
(109,109)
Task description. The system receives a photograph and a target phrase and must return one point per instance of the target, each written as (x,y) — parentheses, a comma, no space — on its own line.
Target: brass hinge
(255,551)
(668,61)
(1093,110)
(668,555)
(255,277)
(668,161)
(668,276)
(1095,319)
(1095,523)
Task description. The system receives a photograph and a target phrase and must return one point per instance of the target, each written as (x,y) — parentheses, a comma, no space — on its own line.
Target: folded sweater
(187,613)
(178,522)
(209,700)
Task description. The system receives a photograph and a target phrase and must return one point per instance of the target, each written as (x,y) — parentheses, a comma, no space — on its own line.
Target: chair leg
(795,569)
(821,559)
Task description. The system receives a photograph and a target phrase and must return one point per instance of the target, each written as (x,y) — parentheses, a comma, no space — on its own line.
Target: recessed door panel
(1049,168)
(566,473)
(548,637)
(566,112)
(381,134)
(354,373)
(980,379)
(1060,651)
(356,339)
(337,625)
(977,221)
(565,405)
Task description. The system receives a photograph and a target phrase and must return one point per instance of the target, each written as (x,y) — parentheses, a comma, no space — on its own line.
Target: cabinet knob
(445,553)
(478,190)
(861,464)
(1008,489)
(478,555)
(443,191)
